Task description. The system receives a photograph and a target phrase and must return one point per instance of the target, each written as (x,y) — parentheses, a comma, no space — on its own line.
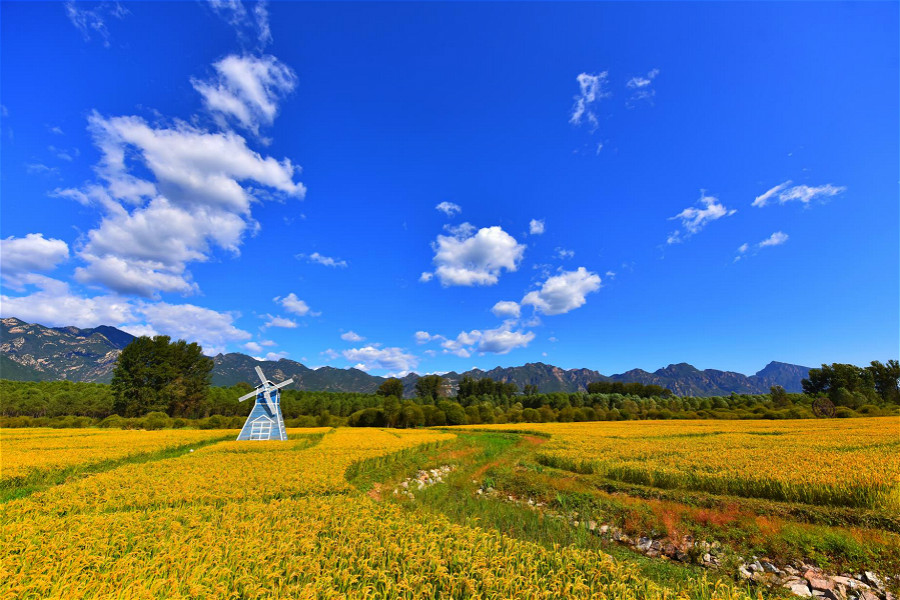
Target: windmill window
(260,430)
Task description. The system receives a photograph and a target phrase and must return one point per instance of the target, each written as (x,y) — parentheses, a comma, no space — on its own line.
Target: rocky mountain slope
(31,352)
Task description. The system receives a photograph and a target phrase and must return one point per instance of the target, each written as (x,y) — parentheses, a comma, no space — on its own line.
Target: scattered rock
(800,589)
(870,578)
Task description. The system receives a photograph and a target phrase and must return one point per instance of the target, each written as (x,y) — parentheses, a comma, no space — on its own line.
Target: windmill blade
(269,402)
(247,396)
(262,377)
(282,384)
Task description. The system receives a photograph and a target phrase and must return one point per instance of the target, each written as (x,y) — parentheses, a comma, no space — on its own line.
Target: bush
(156,420)
(112,422)
(842,412)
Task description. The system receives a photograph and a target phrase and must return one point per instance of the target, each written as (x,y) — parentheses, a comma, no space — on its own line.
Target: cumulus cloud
(426,276)
(273,321)
(423,337)
(507,308)
(776,239)
(251,27)
(694,219)
(466,259)
(449,208)
(562,253)
(211,329)
(642,87)
(536,227)
(254,347)
(786,192)
(246,89)
(591,89)
(367,358)
(352,336)
(32,253)
(55,304)
(501,340)
(92,22)
(564,292)
(321,259)
(151,230)
(293,304)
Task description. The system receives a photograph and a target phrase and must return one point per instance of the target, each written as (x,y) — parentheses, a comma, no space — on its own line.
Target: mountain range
(32,352)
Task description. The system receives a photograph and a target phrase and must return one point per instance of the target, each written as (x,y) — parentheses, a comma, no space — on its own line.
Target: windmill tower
(265,421)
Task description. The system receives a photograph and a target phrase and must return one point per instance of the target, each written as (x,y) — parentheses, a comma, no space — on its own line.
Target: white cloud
(40,169)
(611,274)
(449,208)
(501,340)
(253,347)
(478,259)
(392,359)
(249,28)
(247,89)
(562,253)
(352,336)
(536,227)
(590,91)
(153,229)
(274,321)
(776,239)
(425,277)
(93,22)
(329,353)
(423,337)
(507,308)
(55,304)
(293,304)
(694,219)
(562,293)
(785,192)
(34,252)
(642,86)
(211,329)
(272,356)
(321,259)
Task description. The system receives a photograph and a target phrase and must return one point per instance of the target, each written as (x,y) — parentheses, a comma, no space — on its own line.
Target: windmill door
(261,429)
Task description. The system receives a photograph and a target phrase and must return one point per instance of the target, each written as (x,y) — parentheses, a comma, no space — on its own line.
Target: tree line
(171,381)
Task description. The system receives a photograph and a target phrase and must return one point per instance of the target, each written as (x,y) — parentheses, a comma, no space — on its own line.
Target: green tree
(779,396)
(886,379)
(430,388)
(156,375)
(391,387)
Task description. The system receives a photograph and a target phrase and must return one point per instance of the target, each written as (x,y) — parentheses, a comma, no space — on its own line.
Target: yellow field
(277,520)
(842,462)
(27,450)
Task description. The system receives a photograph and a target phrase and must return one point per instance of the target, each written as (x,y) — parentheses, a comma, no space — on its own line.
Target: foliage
(852,386)
(391,387)
(631,389)
(431,387)
(156,374)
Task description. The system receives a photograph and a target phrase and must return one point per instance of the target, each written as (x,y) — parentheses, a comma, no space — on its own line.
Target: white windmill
(265,421)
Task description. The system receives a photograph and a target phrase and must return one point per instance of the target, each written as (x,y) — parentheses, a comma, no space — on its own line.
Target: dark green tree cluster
(854,387)
(631,389)
(158,375)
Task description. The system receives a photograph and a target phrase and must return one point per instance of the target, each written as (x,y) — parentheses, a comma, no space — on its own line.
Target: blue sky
(434,187)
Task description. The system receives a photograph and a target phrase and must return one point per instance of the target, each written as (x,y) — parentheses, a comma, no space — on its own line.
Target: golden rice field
(24,451)
(278,520)
(851,462)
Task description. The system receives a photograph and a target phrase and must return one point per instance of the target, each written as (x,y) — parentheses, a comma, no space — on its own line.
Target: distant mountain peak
(35,352)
